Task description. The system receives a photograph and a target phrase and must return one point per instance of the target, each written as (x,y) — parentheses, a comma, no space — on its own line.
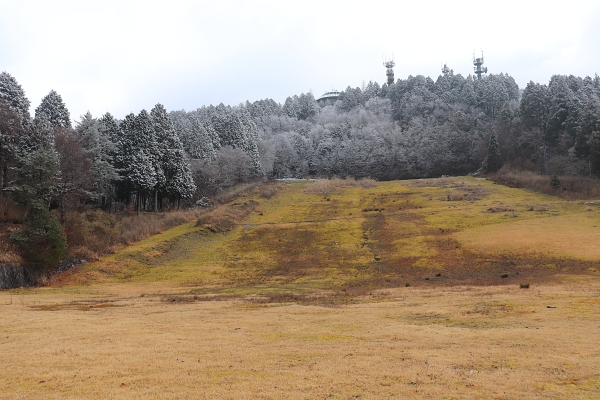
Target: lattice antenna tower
(477,63)
(389,65)
(447,71)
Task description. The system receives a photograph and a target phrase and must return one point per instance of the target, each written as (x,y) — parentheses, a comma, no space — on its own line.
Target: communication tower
(390,70)
(477,63)
(447,71)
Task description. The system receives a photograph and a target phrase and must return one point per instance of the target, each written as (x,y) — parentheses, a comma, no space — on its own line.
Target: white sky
(123,56)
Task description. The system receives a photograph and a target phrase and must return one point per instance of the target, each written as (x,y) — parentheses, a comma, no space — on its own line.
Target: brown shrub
(456,195)
(366,183)
(270,191)
(225,218)
(571,187)
(92,234)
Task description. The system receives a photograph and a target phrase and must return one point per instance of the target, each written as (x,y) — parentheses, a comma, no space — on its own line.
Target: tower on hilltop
(477,63)
(447,71)
(389,65)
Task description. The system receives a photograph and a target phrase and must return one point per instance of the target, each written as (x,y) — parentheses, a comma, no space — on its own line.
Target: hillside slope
(345,240)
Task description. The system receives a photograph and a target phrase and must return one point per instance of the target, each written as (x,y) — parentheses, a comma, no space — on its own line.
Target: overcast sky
(123,56)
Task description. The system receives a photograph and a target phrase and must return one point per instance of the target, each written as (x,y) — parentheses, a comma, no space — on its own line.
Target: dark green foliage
(555,182)
(42,240)
(37,177)
(492,162)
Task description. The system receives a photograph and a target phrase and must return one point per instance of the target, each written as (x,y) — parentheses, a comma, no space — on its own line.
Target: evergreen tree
(13,96)
(54,109)
(178,181)
(134,159)
(14,120)
(39,134)
(100,151)
(307,106)
(11,130)
(76,178)
(560,97)
(43,240)
(37,178)
(534,105)
(492,162)
(201,145)
(290,107)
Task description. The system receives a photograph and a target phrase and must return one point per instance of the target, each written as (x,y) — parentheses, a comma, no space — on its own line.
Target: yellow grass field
(443,288)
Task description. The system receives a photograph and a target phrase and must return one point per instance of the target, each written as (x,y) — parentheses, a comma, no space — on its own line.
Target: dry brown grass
(572,187)
(93,234)
(271,190)
(225,218)
(405,343)
(9,211)
(362,294)
(325,187)
(9,252)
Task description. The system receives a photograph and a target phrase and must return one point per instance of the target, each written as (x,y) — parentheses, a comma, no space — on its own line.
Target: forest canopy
(413,128)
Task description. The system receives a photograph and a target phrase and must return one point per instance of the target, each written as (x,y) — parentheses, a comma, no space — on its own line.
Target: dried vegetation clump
(457,190)
(570,187)
(93,234)
(270,191)
(225,218)
(324,187)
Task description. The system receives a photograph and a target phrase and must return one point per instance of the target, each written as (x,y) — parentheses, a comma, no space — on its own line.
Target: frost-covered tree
(14,119)
(178,182)
(307,106)
(39,134)
(13,96)
(235,128)
(11,130)
(100,151)
(290,107)
(202,141)
(135,159)
(53,107)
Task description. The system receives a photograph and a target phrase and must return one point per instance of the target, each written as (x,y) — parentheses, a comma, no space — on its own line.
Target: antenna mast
(389,65)
(447,71)
(477,63)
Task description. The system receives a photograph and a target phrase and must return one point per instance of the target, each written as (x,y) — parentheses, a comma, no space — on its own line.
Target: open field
(400,290)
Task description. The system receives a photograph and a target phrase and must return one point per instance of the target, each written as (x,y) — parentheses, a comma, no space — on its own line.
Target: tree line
(413,128)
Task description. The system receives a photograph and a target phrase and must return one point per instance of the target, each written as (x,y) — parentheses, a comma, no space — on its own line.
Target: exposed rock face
(18,275)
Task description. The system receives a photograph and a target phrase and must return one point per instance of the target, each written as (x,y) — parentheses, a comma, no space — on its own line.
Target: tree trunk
(155,199)
(139,202)
(6,206)
(62,210)
(4,178)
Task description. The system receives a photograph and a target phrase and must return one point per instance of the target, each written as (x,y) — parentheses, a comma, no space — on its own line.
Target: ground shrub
(270,191)
(567,187)
(43,240)
(225,218)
